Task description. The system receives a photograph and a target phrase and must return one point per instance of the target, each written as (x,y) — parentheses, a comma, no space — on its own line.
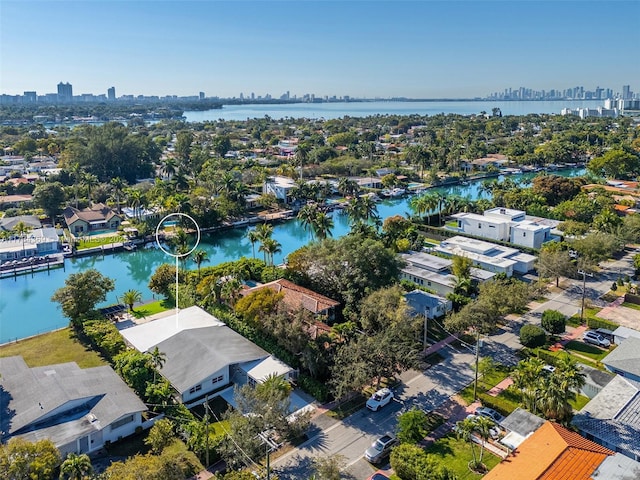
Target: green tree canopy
(21,459)
(50,197)
(81,293)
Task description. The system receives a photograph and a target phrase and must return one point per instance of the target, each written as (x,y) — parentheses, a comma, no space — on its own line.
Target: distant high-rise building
(65,92)
(201,96)
(111,93)
(626,92)
(30,97)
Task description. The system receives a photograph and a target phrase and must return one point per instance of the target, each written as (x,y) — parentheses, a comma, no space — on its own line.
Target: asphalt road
(428,390)
(350,438)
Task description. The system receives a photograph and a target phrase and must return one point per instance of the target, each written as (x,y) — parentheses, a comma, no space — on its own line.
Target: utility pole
(206,419)
(424,340)
(584,291)
(475,384)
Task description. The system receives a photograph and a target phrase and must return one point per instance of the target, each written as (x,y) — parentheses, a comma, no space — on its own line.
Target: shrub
(532,336)
(315,388)
(595,323)
(553,321)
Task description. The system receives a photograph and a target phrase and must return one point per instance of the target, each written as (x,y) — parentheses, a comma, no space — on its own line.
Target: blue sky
(416,49)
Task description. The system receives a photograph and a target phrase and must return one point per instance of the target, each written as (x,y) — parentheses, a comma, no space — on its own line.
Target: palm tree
(253,236)
(200,256)
(22,229)
(270,247)
(130,297)
(322,225)
(274,386)
(264,231)
(425,203)
(230,290)
(117,184)
(464,430)
(561,388)
(526,377)
(76,467)
(90,181)
(306,215)
(157,360)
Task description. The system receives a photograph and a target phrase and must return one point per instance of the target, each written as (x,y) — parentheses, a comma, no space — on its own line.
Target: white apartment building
(489,256)
(505,225)
(434,273)
(279,186)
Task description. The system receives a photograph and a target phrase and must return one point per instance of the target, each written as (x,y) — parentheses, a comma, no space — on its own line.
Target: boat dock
(31,265)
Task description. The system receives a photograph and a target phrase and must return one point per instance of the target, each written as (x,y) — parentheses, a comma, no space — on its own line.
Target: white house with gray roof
(612,418)
(203,355)
(434,273)
(625,359)
(79,410)
(427,304)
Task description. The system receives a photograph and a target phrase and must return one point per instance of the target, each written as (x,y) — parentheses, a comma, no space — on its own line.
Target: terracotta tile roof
(296,296)
(551,453)
(95,213)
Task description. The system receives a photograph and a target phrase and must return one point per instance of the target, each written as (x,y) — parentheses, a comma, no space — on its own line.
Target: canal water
(25,301)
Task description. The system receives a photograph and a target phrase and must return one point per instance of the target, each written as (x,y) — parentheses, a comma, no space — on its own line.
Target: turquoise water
(26,309)
(335,110)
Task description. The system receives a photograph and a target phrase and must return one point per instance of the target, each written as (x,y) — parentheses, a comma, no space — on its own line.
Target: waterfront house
(611,418)
(97,218)
(296,297)
(279,186)
(203,355)
(79,410)
(427,304)
(8,223)
(505,225)
(37,242)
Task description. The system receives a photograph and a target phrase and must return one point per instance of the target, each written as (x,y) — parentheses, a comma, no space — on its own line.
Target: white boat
(397,192)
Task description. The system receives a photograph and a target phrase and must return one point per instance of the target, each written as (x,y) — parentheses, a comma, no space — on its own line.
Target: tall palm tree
(464,430)
(76,467)
(322,225)
(253,236)
(424,203)
(90,181)
(199,256)
(130,297)
(306,215)
(157,360)
(561,388)
(134,197)
(526,377)
(270,247)
(21,229)
(482,429)
(117,185)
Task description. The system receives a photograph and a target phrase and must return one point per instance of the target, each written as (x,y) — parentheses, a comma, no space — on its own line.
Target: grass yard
(631,305)
(456,454)
(152,308)
(347,408)
(581,401)
(92,242)
(50,348)
(587,350)
(484,384)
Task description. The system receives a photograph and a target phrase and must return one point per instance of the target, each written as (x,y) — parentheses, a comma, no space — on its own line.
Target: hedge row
(599,323)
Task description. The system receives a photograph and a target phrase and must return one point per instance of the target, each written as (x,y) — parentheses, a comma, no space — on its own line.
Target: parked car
(595,339)
(548,369)
(379,399)
(378,476)
(489,413)
(380,449)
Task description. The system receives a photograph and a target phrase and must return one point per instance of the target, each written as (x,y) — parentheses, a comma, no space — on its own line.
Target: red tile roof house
(98,217)
(296,296)
(553,453)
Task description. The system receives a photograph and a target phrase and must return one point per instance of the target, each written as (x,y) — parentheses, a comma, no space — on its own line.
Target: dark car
(378,476)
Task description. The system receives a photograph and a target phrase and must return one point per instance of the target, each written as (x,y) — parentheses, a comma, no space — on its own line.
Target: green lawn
(484,384)
(152,308)
(456,454)
(581,401)
(91,242)
(50,348)
(631,305)
(587,350)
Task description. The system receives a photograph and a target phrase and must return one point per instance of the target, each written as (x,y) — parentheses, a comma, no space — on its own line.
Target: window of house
(121,422)
(217,379)
(195,389)
(524,234)
(479,225)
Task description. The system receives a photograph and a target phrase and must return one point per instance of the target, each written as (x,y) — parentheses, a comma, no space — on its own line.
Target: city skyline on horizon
(359,49)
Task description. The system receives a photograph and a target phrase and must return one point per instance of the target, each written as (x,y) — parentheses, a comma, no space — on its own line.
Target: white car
(379,399)
(595,339)
(489,413)
(380,448)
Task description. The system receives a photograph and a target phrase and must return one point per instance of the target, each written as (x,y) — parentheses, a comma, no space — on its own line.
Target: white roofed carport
(259,370)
